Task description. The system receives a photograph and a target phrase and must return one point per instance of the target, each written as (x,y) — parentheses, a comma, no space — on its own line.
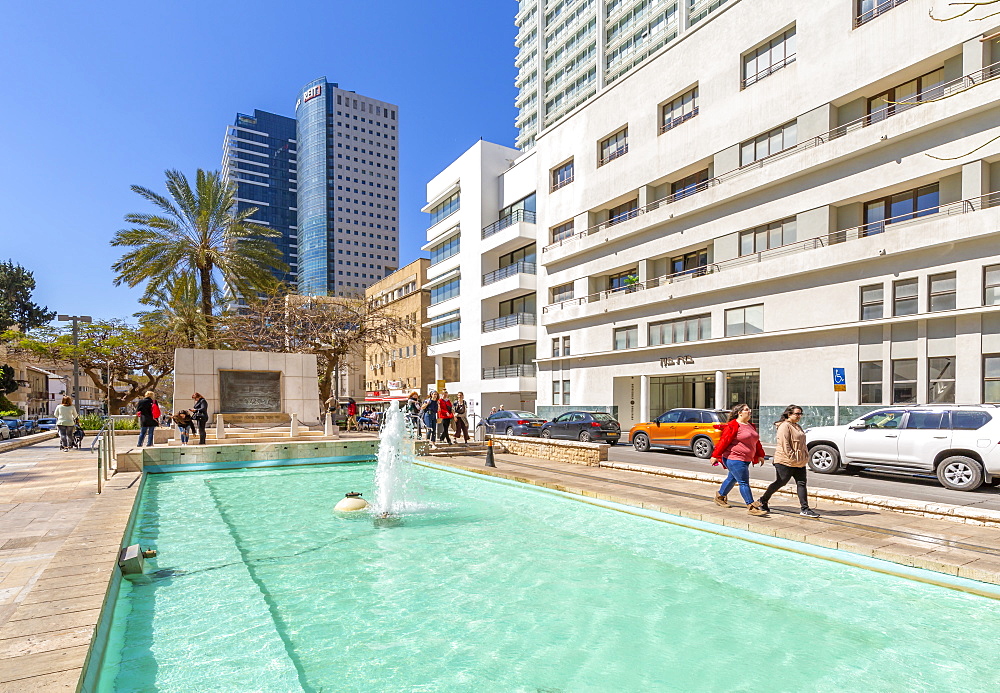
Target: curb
(943,511)
(24,442)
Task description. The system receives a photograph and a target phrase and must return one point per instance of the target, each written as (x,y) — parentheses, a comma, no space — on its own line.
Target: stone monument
(249,386)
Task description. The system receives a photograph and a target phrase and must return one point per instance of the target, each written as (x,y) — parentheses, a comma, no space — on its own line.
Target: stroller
(78,435)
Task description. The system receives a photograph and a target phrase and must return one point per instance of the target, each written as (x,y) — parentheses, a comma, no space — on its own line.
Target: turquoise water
(489,587)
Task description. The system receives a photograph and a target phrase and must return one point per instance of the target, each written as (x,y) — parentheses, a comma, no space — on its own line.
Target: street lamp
(76,320)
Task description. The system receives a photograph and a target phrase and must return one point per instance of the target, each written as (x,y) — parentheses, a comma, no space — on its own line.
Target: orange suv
(697,430)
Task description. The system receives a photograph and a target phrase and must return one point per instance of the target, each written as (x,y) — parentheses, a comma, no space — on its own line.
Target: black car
(30,426)
(585,426)
(16,430)
(513,423)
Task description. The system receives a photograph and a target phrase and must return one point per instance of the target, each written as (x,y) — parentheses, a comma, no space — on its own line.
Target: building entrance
(695,391)
(743,386)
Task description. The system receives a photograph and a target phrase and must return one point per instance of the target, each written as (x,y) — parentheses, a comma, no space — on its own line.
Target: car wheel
(702,448)
(585,436)
(641,442)
(510,430)
(546,433)
(824,459)
(960,473)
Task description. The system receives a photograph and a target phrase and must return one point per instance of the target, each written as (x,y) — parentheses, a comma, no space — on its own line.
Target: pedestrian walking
(184,424)
(66,417)
(412,410)
(429,412)
(200,415)
(445,415)
(352,415)
(147,421)
(790,457)
(461,408)
(739,447)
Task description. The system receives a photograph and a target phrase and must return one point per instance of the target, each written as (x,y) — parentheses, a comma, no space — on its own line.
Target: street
(919,489)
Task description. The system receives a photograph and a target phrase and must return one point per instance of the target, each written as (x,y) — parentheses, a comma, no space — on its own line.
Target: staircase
(470,449)
(236,435)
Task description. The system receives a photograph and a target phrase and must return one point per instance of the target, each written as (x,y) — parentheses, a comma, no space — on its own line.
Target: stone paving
(58,546)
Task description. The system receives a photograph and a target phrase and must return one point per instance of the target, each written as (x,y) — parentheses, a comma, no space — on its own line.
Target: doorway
(744,386)
(695,391)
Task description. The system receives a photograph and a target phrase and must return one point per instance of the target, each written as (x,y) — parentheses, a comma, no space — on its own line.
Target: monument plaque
(249,391)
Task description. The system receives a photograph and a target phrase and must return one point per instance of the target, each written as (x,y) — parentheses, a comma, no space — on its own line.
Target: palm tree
(176,308)
(200,233)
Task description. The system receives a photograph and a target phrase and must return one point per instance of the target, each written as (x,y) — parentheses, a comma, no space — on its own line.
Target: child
(184,423)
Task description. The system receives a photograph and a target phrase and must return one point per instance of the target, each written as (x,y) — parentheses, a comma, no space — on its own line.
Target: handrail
(674,122)
(560,184)
(509,271)
(508,321)
(973,204)
(107,457)
(520,369)
(514,217)
(959,84)
(619,152)
(767,71)
(881,7)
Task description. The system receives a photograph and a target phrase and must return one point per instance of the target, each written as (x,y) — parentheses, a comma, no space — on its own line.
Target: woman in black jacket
(147,422)
(200,415)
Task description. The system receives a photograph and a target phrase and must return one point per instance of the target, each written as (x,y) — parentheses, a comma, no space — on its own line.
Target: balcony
(520,370)
(508,321)
(510,329)
(879,9)
(521,215)
(509,271)
(510,233)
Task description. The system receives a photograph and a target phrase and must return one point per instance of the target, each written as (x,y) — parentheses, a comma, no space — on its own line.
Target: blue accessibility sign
(840,379)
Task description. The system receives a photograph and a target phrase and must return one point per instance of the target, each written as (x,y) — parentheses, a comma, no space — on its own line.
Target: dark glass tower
(348,150)
(260,158)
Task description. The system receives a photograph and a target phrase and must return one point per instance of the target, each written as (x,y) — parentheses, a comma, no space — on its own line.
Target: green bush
(94,422)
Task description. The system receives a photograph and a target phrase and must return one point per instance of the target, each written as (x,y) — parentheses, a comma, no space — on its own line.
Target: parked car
(697,430)
(959,444)
(513,423)
(4,431)
(30,426)
(46,424)
(584,426)
(14,425)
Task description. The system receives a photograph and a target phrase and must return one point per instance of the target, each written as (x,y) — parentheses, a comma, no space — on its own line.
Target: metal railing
(674,122)
(621,151)
(517,370)
(515,217)
(508,321)
(766,72)
(107,453)
(509,271)
(561,183)
(832,238)
(959,84)
(881,7)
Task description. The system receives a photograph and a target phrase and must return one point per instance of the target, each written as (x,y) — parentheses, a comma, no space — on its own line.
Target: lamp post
(76,320)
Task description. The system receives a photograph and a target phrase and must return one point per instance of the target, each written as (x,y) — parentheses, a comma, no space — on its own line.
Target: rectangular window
(689,185)
(525,254)
(445,209)
(768,58)
(562,175)
(991,379)
(563,292)
(942,291)
(902,206)
(566,347)
(991,285)
(562,232)
(941,380)
(868,10)
(871,382)
(444,250)
(556,392)
(565,389)
(522,209)
(445,332)
(768,143)
(521,304)
(623,212)
(520,355)
(627,337)
(622,280)
(746,320)
(906,95)
(683,108)
(690,329)
(555,347)
(613,147)
(768,236)
(872,298)
(904,381)
(445,291)
(904,297)
(690,263)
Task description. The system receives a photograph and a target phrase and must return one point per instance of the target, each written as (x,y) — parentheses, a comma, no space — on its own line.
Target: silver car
(960,444)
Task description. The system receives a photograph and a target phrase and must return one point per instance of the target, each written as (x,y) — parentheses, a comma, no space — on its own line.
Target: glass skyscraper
(348,161)
(259,156)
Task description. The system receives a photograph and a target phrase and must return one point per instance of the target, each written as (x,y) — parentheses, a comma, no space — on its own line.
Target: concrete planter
(589,454)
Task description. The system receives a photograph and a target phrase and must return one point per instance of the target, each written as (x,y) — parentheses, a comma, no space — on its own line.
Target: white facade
(738,182)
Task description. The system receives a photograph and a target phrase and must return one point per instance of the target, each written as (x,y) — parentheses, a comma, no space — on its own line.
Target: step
(239,440)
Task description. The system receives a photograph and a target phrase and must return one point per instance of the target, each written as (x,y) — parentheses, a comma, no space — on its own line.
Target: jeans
(739,473)
(184,431)
(786,474)
(66,436)
(431,426)
(142,434)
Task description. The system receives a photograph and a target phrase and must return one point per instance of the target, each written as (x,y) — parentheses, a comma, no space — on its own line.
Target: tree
(136,357)
(16,306)
(332,328)
(200,234)
(965,8)
(176,308)
(7,382)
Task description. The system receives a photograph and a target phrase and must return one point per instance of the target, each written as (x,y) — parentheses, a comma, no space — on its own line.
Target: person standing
(413,412)
(739,447)
(429,412)
(445,415)
(66,417)
(200,415)
(790,457)
(147,422)
(461,408)
(352,415)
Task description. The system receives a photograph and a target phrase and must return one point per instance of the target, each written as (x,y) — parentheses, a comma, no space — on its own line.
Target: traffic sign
(840,380)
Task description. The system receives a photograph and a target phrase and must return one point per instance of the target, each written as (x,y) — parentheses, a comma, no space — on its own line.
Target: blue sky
(100,96)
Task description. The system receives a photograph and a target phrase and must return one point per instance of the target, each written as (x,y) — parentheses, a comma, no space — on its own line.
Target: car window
(599,416)
(499,415)
(690,416)
(579,417)
(927,420)
(969,420)
(522,414)
(671,416)
(561,417)
(884,419)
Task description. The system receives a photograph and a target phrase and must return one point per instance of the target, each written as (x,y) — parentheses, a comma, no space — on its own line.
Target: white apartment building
(785,189)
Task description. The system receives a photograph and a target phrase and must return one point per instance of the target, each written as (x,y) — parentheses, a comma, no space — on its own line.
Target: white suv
(959,443)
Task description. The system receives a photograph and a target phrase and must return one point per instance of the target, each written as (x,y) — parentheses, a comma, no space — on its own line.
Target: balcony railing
(561,183)
(674,122)
(517,370)
(832,238)
(509,271)
(508,321)
(881,7)
(766,72)
(959,84)
(621,151)
(509,220)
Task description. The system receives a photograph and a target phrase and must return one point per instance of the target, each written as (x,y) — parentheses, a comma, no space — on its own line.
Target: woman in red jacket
(738,448)
(445,414)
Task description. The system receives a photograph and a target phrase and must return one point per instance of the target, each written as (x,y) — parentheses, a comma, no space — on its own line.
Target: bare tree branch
(969,7)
